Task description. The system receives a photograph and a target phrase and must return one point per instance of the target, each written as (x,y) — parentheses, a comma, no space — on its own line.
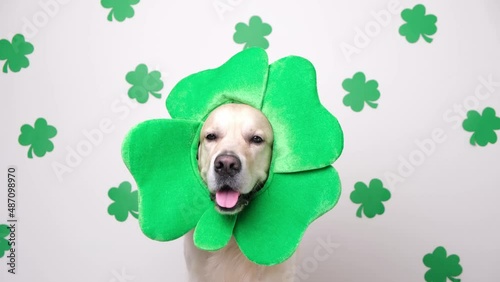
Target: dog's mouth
(228,200)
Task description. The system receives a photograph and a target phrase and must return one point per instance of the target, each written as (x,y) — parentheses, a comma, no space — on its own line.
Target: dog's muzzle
(227,166)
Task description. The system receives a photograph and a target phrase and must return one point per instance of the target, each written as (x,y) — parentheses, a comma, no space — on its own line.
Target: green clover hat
(302,185)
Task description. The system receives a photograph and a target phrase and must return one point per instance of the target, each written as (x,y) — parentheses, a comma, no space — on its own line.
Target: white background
(76,79)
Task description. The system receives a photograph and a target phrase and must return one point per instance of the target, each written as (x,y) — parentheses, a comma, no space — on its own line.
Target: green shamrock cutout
(161,156)
(418,24)
(4,243)
(253,34)
(442,266)
(15,53)
(37,137)
(483,126)
(120,9)
(144,83)
(370,198)
(360,92)
(125,201)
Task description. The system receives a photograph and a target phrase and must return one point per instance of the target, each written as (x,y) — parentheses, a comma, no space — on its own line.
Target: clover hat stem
(156,95)
(426,38)
(371,104)
(5,66)
(134,214)
(110,16)
(359,211)
(30,152)
(472,141)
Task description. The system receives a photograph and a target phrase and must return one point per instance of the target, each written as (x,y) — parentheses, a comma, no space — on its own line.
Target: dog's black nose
(227,165)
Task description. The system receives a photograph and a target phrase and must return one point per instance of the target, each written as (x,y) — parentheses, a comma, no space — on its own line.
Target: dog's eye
(256,139)
(211,137)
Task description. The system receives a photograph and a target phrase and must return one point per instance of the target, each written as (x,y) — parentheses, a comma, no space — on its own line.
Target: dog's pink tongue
(227,198)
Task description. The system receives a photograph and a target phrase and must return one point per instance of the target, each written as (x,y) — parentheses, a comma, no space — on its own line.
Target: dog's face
(234,154)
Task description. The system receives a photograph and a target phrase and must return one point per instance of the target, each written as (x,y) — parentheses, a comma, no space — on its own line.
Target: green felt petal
(242,79)
(160,154)
(214,230)
(306,135)
(269,229)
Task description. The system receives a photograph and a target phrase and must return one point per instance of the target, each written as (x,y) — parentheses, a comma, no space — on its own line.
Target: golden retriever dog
(234,156)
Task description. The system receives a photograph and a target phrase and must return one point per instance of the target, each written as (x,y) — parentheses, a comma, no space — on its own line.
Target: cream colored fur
(234,126)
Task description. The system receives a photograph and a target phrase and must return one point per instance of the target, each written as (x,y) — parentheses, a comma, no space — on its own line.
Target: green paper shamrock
(15,53)
(302,185)
(253,34)
(418,24)
(38,138)
(442,266)
(144,83)
(483,126)
(370,198)
(125,201)
(360,92)
(120,9)
(4,243)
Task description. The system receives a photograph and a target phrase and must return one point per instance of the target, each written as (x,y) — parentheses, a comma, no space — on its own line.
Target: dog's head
(234,154)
